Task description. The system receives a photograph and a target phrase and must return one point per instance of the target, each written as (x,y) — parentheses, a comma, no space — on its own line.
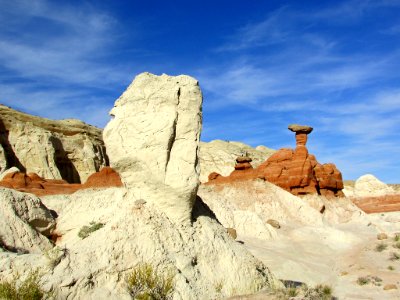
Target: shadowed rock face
(34,184)
(67,149)
(296,170)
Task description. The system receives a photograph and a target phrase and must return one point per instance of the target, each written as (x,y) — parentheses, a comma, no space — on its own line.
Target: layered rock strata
(296,170)
(153,139)
(67,149)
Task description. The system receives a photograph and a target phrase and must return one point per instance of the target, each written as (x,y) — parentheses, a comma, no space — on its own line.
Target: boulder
(382,236)
(67,149)
(153,139)
(24,222)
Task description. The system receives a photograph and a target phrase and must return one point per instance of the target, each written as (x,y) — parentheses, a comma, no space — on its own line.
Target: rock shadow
(202,209)
(64,164)
(11,157)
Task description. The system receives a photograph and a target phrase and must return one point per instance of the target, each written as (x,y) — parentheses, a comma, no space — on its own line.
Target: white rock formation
(370,186)
(203,257)
(220,156)
(23,218)
(3,160)
(247,206)
(153,139)
(67,149)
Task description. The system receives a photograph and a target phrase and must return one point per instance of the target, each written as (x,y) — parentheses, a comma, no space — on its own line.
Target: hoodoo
(296,170)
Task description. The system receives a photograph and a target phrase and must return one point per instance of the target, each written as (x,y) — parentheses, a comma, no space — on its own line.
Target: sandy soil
(337,256)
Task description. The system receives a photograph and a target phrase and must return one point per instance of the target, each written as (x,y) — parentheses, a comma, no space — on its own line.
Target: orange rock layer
(33,183)
(379,204)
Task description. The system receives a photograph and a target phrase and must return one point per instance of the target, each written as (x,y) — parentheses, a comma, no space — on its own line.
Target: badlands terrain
(87,208)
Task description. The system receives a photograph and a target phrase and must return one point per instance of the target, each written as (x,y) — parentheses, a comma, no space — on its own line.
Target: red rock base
(33,183)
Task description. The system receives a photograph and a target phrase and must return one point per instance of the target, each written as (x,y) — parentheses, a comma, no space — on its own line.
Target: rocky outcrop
(219,156)
(296,170)
(24,222)
(34,184)
(153,139)
(370,186)
(133,234)
(67,149)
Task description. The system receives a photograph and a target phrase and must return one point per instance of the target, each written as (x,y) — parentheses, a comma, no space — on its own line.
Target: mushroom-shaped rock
(300,128)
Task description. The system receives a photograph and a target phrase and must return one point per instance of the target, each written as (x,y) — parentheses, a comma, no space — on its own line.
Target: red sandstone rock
(33,183)
(107,177)
(213,175)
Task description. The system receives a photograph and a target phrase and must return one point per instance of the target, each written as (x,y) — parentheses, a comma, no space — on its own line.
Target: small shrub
(397,245)
(319,292)
(397,237)
(391,268)
(145,284)
(29,289)
(218,287)
(363,280)
(380,247)
(87,230)
(394,256)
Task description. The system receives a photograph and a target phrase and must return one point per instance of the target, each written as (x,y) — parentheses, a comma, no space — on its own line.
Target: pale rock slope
(23,219)
(318,240)
(248,205)
(66,149)
(153,139)
(220,156)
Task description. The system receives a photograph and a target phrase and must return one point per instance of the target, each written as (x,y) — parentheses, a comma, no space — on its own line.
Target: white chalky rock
(370,186)
(153,140)
(23,218)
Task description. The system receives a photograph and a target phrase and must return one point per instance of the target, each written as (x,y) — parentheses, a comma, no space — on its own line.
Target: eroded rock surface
(24,222)
(67,149)
(153,139)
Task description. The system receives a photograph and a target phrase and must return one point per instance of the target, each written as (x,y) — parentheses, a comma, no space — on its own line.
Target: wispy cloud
(54,56)
(293,65)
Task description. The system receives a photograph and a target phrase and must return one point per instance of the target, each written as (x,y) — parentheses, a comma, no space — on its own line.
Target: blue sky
(262,65)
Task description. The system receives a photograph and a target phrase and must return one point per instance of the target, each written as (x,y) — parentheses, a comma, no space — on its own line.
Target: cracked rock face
(153,139)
